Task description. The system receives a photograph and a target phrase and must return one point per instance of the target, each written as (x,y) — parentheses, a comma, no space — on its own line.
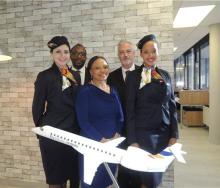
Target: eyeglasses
(83,54)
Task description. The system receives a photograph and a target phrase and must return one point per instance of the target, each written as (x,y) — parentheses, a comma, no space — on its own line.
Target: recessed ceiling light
(191,16)
(174,49)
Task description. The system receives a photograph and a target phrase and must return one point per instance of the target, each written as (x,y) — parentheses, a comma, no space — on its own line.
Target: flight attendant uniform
(151,116)
(53,104)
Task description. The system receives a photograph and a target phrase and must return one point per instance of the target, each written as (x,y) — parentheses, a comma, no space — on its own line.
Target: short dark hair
(91,62)
(77,46)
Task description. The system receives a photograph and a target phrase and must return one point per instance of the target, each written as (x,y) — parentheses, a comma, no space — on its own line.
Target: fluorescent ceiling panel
(191,16)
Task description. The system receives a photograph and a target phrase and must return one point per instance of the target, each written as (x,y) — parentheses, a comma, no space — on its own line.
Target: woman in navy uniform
(53,105)
(150,107)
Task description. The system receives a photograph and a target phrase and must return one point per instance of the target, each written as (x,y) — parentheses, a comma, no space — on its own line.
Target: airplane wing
(115,142)
(91,163)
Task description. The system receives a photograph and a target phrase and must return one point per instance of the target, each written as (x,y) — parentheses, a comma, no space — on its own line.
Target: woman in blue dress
(99,115)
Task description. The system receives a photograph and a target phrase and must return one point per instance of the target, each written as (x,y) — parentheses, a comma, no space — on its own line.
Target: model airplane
(96,153)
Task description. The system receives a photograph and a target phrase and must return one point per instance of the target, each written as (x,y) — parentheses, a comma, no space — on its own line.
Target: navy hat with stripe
(145,39)
(57,41)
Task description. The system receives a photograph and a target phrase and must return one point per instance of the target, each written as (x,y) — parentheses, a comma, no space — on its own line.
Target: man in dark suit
(78,58)
(126,54)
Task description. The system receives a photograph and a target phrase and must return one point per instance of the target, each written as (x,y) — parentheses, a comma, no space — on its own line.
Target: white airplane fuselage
(96,153)
(82,144)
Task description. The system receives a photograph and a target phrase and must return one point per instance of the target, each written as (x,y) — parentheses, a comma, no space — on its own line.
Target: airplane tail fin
(177,151)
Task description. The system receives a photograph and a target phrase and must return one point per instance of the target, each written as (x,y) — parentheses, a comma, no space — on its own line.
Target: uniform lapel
(161,73)
(120,77)
(139,71)
(58,76)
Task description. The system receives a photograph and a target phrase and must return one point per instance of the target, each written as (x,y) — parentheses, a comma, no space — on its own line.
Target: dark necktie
(126,74)
(78,71)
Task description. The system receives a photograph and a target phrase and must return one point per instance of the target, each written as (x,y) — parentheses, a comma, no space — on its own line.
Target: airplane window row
(78,143)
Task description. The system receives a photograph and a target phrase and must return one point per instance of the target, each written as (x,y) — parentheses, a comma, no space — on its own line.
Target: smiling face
(61,55)
(126,54)
(149,53)
(99,70)
(78,56)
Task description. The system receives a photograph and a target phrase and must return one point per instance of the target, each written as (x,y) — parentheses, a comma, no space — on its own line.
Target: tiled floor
(201,171)
(203,160)
(4,183)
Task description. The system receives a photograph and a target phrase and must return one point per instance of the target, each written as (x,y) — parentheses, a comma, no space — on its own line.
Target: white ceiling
(184,38)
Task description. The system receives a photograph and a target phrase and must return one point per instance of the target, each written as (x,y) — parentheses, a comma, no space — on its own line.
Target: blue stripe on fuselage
(166,153)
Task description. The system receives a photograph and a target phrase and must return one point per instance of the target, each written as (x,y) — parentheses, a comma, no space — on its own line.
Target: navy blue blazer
(116,80)
(52,106)
(151,108)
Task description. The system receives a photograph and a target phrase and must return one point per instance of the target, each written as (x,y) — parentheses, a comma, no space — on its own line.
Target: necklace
(103,87)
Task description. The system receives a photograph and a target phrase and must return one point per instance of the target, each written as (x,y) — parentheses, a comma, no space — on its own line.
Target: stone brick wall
(26,27)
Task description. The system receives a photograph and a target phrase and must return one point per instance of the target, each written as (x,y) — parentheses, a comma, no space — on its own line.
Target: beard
(127,63)
(78,65)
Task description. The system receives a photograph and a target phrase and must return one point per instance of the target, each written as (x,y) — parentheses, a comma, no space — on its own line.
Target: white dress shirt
(125,70)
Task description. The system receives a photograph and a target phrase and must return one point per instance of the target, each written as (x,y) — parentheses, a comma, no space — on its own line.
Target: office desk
(188,105)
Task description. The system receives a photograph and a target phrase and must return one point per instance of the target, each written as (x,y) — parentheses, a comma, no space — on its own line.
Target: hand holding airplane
(96,153)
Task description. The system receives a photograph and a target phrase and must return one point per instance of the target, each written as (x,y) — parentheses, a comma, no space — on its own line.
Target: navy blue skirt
(60,161)
(153,142)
